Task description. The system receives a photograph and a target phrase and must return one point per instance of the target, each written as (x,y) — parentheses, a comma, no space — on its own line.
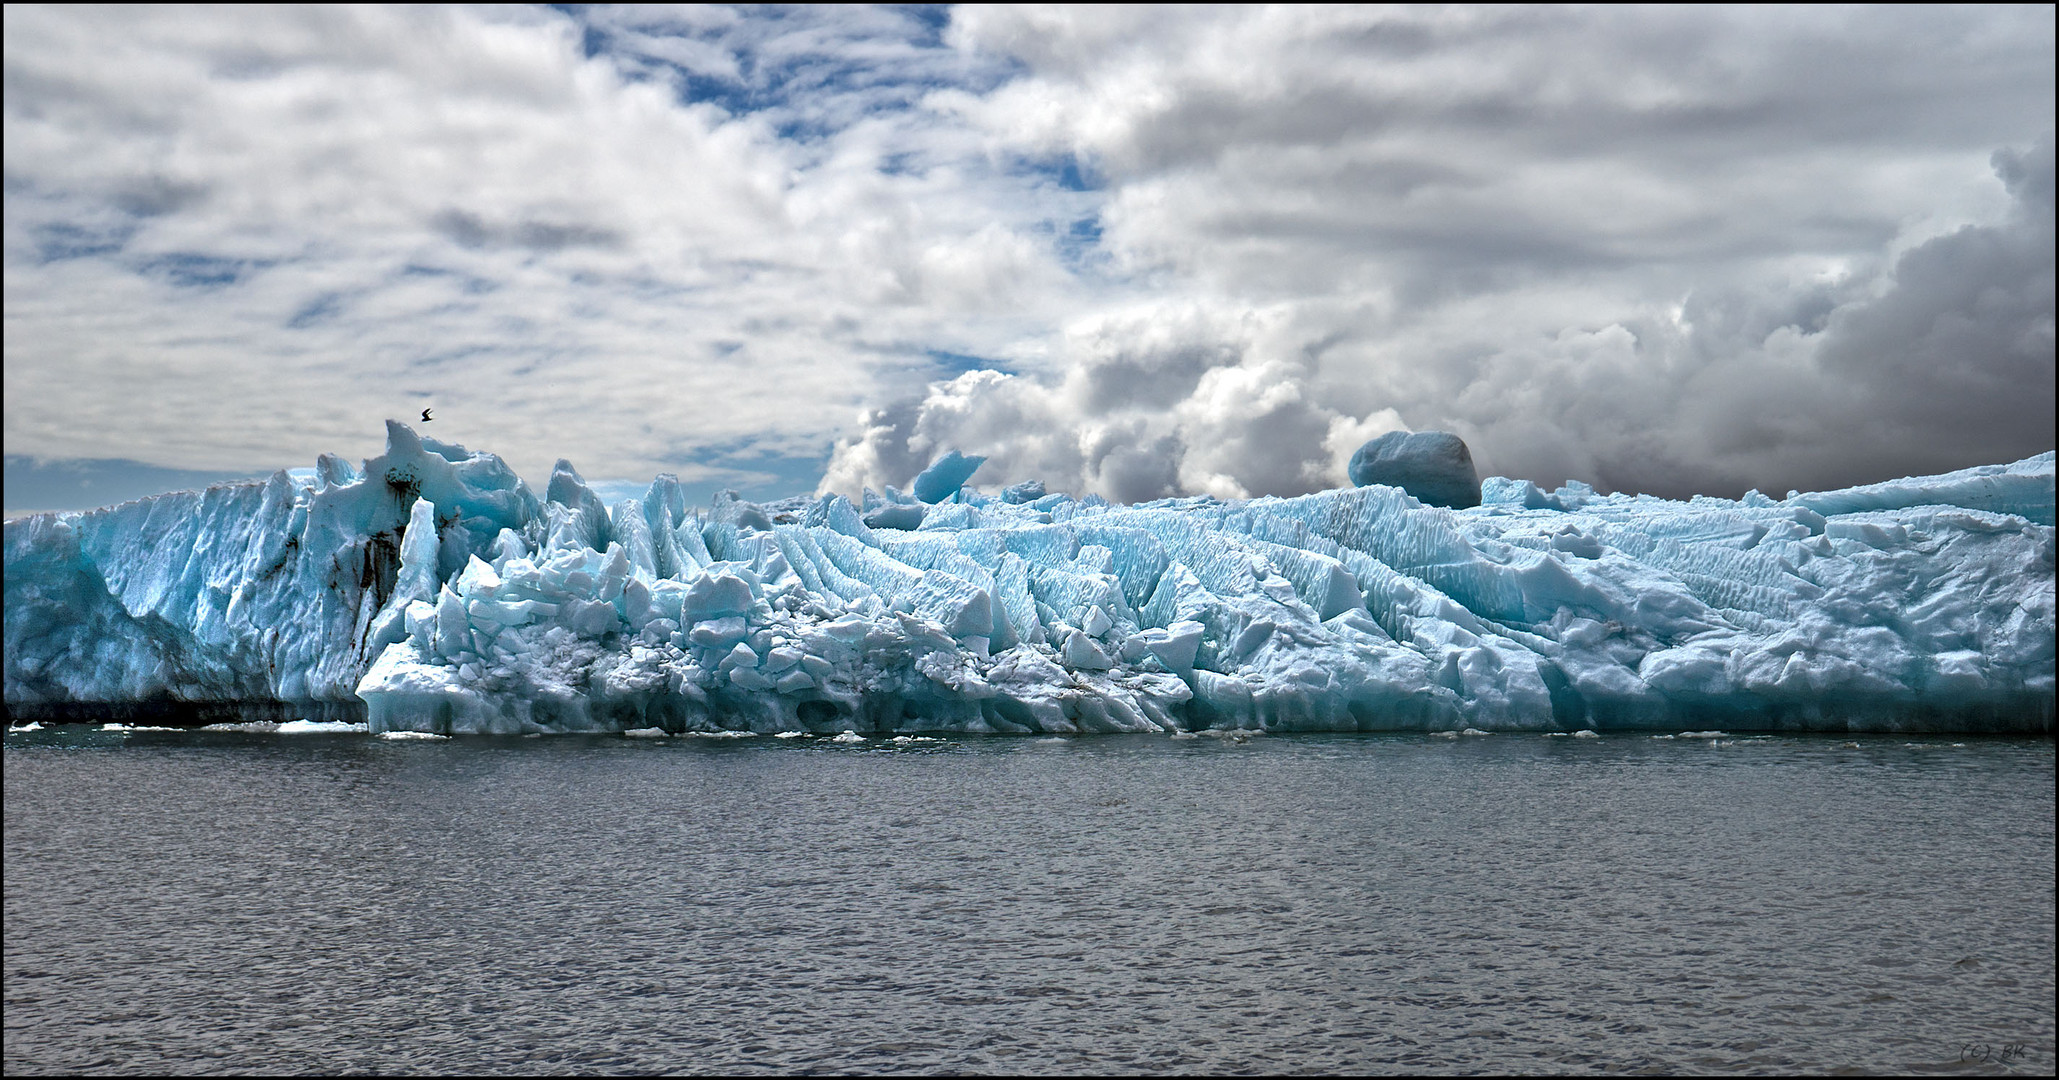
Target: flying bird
(425,416)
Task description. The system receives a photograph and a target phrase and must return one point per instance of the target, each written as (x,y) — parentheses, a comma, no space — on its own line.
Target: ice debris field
(432,586)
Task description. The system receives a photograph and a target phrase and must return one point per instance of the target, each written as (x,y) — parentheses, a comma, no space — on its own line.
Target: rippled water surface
(209,902)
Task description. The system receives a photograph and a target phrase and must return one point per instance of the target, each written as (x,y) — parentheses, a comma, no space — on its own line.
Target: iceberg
(429,590)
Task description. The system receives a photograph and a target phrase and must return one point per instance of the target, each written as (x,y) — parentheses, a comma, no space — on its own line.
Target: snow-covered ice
(434,586)
(320,727)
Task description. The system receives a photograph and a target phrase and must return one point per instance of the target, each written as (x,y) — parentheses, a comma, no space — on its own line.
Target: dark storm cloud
(1957,357)
(1664,249)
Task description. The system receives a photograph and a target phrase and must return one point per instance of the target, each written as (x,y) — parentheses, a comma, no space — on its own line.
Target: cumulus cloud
(1136,251)
(1148,402)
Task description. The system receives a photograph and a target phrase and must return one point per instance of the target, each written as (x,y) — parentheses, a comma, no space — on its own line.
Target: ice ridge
(432,586)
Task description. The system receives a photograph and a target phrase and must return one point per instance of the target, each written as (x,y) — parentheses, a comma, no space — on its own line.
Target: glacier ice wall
(435,588)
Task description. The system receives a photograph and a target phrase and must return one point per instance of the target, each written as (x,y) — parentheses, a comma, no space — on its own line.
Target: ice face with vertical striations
(432,586)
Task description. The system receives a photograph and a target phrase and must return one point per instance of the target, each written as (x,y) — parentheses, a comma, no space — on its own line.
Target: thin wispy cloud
(1135,251)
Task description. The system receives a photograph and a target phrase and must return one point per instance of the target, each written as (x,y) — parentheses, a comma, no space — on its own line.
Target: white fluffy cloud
(1136,251)
(240,238)
(1145,402)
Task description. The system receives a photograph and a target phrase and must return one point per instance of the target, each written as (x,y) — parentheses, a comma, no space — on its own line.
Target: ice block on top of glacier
(1434,466)
(945,476)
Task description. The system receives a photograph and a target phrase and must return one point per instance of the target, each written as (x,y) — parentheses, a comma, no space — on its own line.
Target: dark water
(203,902)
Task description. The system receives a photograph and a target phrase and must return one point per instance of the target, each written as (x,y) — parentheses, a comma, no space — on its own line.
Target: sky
(1133,251)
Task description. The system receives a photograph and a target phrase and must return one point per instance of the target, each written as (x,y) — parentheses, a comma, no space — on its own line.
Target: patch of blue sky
(195,271)
(955,364)
(812,71)
(753,470)
(62,240)
(89,483)
(316,311)
(1079,248)
(1071,193)
(900,164)
(1066,172)
(1072,178)
(34,485)
(934,19)
(1077,241)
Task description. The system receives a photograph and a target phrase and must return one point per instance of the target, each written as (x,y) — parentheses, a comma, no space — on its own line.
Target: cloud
(1956,357)
(645,240)
(1137,251)
(1671,251)
(1154,401)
